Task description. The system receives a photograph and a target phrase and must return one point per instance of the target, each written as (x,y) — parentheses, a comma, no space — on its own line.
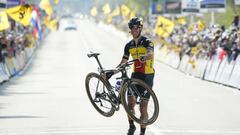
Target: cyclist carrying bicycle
(142,49)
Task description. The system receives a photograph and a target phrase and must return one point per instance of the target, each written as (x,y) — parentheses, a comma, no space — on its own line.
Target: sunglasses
(135,27)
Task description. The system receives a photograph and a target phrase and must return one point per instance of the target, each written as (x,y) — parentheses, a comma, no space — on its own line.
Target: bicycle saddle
(92,54)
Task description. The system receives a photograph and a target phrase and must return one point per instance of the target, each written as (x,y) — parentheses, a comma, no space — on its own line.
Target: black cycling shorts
(147,78)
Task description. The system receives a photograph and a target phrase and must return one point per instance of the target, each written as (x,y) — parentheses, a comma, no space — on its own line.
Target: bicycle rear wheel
(97,91)
(137,89)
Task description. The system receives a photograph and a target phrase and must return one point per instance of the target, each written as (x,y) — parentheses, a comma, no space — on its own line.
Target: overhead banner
(237,2)
(3,4)
(158,7)
(13,3)
(173,6)
(190,6)
(213,5)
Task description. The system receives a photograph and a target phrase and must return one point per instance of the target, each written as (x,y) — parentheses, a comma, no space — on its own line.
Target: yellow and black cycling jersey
(138,50)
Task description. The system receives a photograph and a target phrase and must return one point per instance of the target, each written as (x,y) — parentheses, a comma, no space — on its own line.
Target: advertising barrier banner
(158,7)
(173,6)
(13,3)
(213,5)
(3,4)
(190,6)
(237,2)
(235,75)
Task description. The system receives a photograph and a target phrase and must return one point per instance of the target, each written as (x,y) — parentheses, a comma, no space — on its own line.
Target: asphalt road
(49,98)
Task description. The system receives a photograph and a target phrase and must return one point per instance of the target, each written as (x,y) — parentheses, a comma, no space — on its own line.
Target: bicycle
(106,100)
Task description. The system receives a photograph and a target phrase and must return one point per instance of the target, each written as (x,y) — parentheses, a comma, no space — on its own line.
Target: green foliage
(141,7)
(225,18)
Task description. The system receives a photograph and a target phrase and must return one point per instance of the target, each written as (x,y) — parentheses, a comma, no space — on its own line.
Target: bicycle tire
(101,110)
(153,98)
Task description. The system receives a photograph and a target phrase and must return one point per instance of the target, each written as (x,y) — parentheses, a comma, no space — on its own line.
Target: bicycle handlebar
(120,68)
(124,65)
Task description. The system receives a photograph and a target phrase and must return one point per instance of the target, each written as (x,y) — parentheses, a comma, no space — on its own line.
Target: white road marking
(74,131)
(192,131)
(155,130)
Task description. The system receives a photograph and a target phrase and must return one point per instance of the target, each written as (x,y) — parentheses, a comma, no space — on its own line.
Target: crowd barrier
(217,70)
(12,66)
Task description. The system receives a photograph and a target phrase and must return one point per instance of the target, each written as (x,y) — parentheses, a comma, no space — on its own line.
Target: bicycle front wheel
(97,91)
(140,102)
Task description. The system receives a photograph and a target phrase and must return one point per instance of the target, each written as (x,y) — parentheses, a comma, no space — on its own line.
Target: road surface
(49,98)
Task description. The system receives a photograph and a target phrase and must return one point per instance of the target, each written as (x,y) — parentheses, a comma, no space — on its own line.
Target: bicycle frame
(129,87)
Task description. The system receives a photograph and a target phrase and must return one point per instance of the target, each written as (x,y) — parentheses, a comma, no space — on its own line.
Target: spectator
(236,21)
(3,46)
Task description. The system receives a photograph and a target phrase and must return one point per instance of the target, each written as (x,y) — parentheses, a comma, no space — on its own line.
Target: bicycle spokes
(99,94)
(140,102)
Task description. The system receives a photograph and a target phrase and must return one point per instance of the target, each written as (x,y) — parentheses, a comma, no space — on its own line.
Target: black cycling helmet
(135,21)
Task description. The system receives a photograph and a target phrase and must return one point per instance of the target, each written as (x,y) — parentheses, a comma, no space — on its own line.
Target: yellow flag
(125,10)
(191,28)
(106,9)
(21,14)
(109,19)
(164,27)
(192,62)
(116,11)
(46,6)
(132,14)
(46,21)
(56,2)
(4,24)
(194,50)
(200,25)
(53,24)
(158,8)
(94,11)
(181,20)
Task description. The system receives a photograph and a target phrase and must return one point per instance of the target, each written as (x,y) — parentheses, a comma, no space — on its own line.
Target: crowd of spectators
(191,40)
(14,40)
(208,42)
